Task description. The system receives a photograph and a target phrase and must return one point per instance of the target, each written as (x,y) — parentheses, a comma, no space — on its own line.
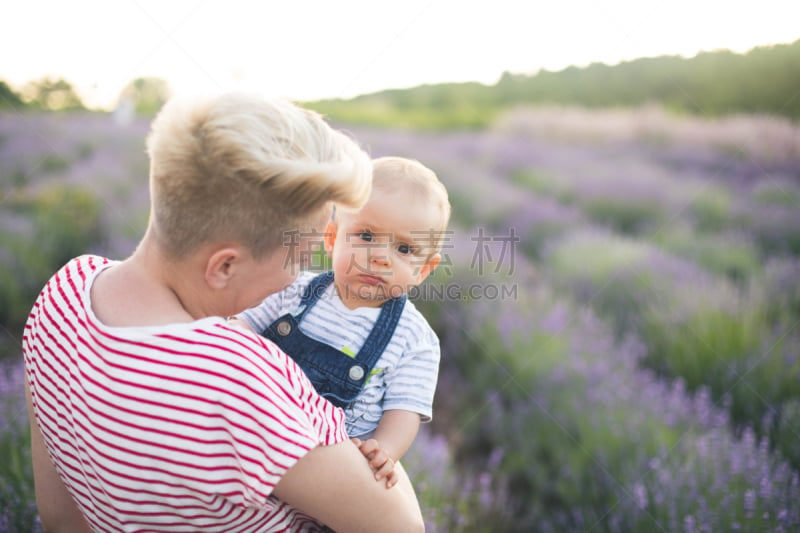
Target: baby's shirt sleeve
(411,385)
(260,317)
(276,305)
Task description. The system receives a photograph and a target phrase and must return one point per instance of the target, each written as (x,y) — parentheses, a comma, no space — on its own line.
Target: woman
(149,412)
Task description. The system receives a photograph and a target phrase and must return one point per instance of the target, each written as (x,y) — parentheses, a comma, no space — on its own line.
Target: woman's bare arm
(335,485)
(57,510)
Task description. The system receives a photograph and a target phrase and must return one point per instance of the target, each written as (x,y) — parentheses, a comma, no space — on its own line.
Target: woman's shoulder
(73,279)
(84,266)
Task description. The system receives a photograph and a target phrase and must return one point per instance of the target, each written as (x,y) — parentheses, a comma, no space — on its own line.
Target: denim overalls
(337,376)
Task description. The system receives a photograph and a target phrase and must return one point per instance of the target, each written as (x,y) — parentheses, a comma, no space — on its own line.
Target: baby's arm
(396,431)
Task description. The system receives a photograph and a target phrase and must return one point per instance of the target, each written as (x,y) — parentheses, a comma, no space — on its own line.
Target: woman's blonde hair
(247,169)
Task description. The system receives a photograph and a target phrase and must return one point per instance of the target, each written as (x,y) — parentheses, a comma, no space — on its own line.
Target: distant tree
(8,98)
(52,95)
(764,80)
(146,95)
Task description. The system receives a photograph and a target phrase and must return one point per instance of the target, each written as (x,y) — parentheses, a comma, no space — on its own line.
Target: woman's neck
(141,291)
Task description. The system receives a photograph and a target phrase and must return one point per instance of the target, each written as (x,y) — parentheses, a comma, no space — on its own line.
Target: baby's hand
(379,460)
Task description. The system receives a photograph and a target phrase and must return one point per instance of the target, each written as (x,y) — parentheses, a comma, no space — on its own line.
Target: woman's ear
(221,266)
(330,236)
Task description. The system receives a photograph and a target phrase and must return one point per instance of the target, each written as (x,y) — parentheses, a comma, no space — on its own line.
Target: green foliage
(614,274)
(566,466)
(461,204)
(16,480)
(147,95)
(449,495)
(780,284)
(698,341)
(716,337)
(703,480)
(444,106)
(710,208)
(777,233)
(8,98)
(551,424)
(778,193)
(65,222)
(545,185)
(729,255)
(17,510)
(623,215)
(764,80)
(783,426)
(52,95)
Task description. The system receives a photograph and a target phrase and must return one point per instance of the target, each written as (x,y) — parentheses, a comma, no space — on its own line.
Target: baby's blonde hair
(247,169)
(391,173)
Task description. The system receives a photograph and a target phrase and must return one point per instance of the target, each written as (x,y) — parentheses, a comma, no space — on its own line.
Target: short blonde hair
(391,173)
(247,169)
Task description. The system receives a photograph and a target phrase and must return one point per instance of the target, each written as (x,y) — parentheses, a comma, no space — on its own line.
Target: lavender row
(555,426)
(630,360)
(689,248)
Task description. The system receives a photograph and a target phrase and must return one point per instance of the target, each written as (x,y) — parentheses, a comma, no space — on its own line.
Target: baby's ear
(429,266)
(330,236)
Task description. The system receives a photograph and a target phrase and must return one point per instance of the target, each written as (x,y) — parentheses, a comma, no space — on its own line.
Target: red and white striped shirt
(182,427)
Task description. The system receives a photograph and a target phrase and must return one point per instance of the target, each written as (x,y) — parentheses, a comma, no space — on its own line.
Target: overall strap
(381,332)
(313,291)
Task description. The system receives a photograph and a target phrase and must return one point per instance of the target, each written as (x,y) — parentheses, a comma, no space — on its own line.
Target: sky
(314,49)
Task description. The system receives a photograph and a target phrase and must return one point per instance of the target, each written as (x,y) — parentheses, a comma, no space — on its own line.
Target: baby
(360,341)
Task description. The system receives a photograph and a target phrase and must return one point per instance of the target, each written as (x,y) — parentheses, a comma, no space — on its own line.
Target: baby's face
(385,249)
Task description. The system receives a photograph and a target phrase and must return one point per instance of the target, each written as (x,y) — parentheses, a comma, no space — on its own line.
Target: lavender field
(618,306)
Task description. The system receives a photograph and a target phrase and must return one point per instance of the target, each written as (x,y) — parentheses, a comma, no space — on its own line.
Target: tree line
(764,80)
(144,95)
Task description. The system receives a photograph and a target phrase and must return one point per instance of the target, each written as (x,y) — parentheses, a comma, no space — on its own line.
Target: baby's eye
(404,249)
(366,236)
